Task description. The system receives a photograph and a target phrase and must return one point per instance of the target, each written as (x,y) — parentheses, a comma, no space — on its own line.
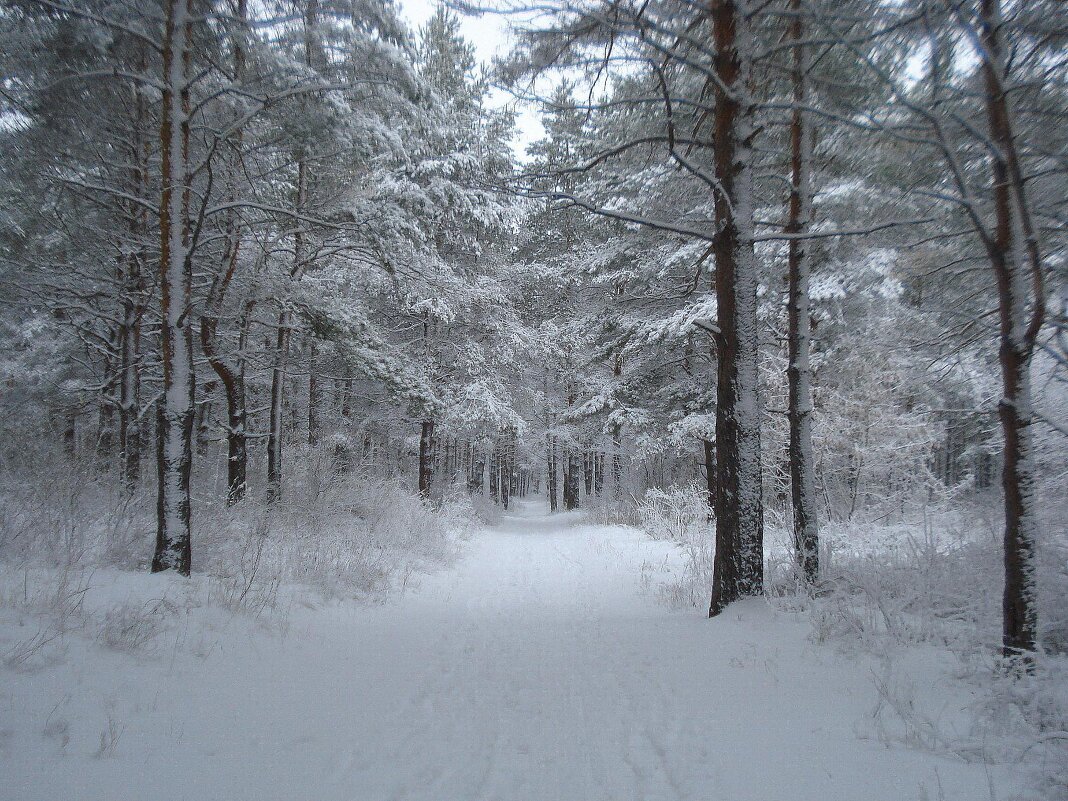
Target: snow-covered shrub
(485,509)
(907,583)
(341,533)
(130,626)
(677,514)
(937,582)
(46,605)
(681,515)
(75,516)
(606,510)
(924,589)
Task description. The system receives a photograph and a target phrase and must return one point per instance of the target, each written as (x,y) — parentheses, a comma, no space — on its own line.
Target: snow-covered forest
(671,406)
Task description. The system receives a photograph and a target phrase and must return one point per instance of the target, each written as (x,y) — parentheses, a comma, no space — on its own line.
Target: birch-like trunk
(799,370)
(175,452)
(738,569)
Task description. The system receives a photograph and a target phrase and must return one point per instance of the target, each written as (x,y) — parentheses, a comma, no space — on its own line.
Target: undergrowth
(63,534)
(930,580)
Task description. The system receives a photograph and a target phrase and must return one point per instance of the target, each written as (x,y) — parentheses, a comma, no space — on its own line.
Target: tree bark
(281,358)
(274,424)
(105,430)
(232,376)
(495,473)
(477,480)
(175,452)
(551,479)
(617,431)
(738,569)
(505,477)
(799,371)
(132,281)
(1014,256)
(571,480)
(617,463)
(426,468)
(315,398)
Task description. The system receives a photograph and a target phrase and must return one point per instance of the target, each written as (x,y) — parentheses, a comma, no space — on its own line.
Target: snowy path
(536,668)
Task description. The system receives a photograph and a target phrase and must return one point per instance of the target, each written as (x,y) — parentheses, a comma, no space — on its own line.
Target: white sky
(490,37)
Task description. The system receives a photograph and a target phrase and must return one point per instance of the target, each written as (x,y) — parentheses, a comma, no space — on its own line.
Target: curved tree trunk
(1014,255)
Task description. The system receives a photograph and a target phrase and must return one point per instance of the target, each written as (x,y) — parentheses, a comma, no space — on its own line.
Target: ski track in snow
(534,669)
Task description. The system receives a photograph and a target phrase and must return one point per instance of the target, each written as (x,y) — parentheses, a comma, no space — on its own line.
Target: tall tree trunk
(617,463)
(130,397)
(617,431)
(506,475)
(738,569)
(274,423)
(799,371)
(281,355)
(426,468)
(133,294)
(130,393)
(571,480)
(175,455)
(233,382)
(476,482)
(551,478)
(285,316)
(105,430)
(1014,256)
(495,473)
(315,394)
(232,376)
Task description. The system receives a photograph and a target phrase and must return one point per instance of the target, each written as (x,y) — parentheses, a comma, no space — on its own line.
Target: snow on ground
(540,666)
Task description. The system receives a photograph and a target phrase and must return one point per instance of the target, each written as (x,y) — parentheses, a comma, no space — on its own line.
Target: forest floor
(540,666)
